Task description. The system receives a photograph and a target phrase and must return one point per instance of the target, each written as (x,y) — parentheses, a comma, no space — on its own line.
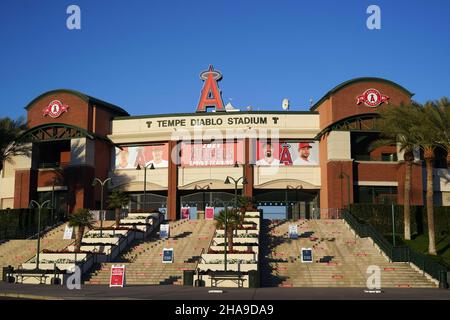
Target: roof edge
(355,80)
(83,96)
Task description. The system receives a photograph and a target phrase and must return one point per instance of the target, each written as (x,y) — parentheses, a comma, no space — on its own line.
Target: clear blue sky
(146,56)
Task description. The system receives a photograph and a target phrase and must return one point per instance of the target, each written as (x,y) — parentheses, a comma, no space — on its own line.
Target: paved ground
(189,293)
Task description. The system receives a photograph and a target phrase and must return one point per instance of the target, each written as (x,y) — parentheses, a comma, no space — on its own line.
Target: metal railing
(401,253)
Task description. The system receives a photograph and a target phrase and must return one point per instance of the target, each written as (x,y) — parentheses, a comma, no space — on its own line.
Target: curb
(28,296)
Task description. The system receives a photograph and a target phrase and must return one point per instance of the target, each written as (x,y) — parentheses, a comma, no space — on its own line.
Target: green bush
(22,223)
(380,216)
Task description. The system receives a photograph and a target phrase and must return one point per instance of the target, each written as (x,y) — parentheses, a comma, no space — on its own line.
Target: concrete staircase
(16,252)
(143,260)
(339,258)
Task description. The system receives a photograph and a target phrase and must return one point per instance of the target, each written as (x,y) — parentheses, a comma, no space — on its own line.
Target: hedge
(22,223)
(380,216)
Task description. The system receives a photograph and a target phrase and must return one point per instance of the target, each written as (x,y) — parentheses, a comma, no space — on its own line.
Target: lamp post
(152,167)
(203,188)
(39,206)
(102,184)
(341,176)
(289,187)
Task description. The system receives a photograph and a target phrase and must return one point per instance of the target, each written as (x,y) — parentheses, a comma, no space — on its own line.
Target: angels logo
(285,154)
(372,98)
(55,109)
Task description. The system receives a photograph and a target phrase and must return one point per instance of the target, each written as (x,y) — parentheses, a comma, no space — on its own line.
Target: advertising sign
(164,231)
(68,233)
(130,157)
(185,213)
(306,255)
(293,231)
(211,154)
(167,255)
(117,278)
(287,153)
(209,213)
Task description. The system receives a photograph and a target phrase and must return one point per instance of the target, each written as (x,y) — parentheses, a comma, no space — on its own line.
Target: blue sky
(146,56)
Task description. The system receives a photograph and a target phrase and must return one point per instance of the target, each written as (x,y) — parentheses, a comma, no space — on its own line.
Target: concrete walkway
(101,292)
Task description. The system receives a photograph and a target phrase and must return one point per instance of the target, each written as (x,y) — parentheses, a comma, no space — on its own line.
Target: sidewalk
(99,292)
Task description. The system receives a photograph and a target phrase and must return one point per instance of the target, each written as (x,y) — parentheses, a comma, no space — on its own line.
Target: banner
(185,213)
(167,255)
(117,278)
(293,231)
(164,231)
(209,213)
(130,157)
(306,255)
(68,233)
(286,153)
(211,154)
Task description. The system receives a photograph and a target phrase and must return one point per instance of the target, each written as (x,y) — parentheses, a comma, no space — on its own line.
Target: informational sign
(293,231)
(164,230)
(287,153)
(185,213)
(209,213)
(167,255)
(131,157)
(306,255)
(117,278)
(211,154)
(68,232)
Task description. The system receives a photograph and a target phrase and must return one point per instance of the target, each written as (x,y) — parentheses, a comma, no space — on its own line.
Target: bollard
(443,280)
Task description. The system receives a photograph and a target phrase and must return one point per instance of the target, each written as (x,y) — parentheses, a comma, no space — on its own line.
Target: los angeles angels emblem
(55,109)
(372,98)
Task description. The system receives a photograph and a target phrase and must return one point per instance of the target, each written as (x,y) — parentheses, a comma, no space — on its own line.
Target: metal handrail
(399,254)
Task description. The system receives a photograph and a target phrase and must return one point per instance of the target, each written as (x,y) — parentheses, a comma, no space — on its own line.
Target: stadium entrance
(291,203)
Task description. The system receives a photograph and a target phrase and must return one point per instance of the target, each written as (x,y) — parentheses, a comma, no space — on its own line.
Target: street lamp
(289,187)
(236,181)
(102,184)
(206,187)
(152,167)
(39,206)
(341,176)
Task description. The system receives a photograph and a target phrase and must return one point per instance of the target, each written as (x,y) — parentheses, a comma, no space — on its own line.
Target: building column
(248,167)
(172,194)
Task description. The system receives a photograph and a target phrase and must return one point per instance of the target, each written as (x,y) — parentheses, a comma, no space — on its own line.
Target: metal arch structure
(57,132)
(363,122)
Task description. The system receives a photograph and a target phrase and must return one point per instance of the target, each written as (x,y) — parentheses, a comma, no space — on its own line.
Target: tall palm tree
(117,200)
(396,126)
(82,219)
(11,141)
(428,136)
(439,115)
(232,222)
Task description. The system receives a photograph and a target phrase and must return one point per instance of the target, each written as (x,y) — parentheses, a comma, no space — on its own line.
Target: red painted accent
(210,87)
(337,277)
(389,269)
(403,286)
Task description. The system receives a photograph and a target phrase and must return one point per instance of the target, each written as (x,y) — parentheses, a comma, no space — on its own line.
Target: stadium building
(298,164)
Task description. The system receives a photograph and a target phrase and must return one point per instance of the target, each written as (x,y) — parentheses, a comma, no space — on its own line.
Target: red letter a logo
(210,96)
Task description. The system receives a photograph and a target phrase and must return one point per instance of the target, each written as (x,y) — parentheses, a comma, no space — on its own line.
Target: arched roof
(118,110)
(355,80)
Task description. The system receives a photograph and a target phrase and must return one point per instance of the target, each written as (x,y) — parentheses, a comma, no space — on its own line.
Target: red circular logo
(372,98)
(55,109)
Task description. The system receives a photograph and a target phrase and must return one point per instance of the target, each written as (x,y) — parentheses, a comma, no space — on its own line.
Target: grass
(419,243)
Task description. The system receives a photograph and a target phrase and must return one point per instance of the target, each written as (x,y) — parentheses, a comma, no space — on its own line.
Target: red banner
(212,154)
(209,213)
(117,278)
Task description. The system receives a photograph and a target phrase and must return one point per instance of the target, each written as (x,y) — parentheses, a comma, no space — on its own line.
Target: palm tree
(117,200)
(12,143)
(81,218)
(396,126)
(439,115)
(232,222)
(428,136)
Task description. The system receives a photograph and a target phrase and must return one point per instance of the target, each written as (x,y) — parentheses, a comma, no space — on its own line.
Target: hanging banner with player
(131,157)
(287,153)
(185,213)
(209,213)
